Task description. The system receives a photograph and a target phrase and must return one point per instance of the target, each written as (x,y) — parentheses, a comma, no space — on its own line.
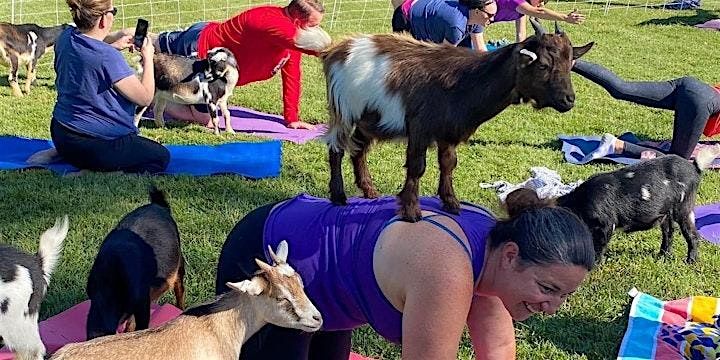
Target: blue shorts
(183,43)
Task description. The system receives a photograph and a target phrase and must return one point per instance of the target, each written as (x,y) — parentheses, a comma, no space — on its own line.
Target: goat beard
(312,38)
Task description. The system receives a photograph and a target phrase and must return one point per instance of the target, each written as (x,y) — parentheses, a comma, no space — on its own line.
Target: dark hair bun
(523,199)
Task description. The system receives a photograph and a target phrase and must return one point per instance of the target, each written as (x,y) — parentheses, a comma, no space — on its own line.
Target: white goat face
(279,291)
(219,59)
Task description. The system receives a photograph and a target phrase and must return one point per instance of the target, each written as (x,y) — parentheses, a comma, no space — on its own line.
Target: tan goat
(215,330)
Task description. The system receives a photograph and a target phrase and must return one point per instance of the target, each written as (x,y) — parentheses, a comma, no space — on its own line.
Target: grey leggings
(692,100)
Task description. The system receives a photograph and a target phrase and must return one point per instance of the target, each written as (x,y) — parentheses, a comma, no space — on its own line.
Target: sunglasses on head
(113,11)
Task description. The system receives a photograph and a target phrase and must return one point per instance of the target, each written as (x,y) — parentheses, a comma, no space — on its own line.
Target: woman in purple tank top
(416,284)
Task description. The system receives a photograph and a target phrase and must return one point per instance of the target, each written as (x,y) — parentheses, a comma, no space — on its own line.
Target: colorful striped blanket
(678,329)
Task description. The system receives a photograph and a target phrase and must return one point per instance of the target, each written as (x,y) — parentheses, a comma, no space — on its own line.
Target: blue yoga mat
(249,159)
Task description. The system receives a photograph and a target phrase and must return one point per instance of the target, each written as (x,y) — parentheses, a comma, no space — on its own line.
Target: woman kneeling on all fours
(417,284)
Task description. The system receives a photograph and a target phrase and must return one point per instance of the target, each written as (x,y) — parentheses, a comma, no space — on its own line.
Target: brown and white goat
(24,280)
(190,81)
(390,86)
(216,330)
(25,43)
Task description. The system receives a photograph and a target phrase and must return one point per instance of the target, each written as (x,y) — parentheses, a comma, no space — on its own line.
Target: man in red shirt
(265,40)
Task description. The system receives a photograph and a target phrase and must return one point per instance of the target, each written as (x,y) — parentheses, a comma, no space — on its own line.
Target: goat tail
(313,38)
(706,156)
(51,242)
(158,197)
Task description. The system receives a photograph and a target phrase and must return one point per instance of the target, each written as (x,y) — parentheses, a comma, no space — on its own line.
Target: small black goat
(138,261)
(24,280)
(189,80)
(25,43)
(638,197)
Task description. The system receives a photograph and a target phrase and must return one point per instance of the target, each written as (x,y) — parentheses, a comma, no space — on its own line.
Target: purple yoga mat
(260,124)
(707,221)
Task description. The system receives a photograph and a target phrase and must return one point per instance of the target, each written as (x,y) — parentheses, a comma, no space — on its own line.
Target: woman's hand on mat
(574,17)
(123,43)
(301,125)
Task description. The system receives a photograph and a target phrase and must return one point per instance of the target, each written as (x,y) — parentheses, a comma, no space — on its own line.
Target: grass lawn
(635,42)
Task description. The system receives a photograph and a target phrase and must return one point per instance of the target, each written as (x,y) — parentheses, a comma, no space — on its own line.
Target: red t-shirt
(263,42)
(712,127)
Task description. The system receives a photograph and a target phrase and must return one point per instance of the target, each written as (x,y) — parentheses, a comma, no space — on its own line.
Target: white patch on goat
(18,330)
(629,174)
(285,269)
(666,182)
(219,56)
(691,217)
(32,41)
(205,90)
(359,84)
(645,192)
(682,196)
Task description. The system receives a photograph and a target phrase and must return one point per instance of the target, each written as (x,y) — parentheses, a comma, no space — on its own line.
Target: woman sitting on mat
(92,125)
(417,284)
(695,103)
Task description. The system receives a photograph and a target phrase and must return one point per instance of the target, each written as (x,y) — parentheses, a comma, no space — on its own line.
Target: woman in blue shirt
(92,125)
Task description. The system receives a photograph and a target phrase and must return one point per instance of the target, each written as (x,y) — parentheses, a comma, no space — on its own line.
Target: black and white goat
(24,280)
(638,197)
(139,260)
(383,87)
(25,43)
(189,80)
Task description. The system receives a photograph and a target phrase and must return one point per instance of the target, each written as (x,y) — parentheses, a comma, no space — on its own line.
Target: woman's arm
(491,329)
(478,42)
(520,29)
(547,14)
(140,92)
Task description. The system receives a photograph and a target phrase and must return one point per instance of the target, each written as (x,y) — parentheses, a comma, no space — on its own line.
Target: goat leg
(212,108)
(666,226)
(13,77)
(31,66)
(226,115)
(601,237)
(179,286)
(363,180)
(159,111)
(141,316)
(447,158)
(408,196)
(689,232)
(337,187)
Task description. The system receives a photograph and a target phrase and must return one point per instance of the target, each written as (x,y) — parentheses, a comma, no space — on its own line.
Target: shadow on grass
(550,145)
(700,17)
(579,335)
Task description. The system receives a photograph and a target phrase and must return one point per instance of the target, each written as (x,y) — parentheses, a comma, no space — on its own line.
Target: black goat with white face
(190,80)
(638,197)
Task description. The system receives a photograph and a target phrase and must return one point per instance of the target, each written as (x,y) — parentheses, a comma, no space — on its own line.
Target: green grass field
(637,43)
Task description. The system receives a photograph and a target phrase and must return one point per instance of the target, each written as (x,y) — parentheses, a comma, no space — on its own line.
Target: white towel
(546,183)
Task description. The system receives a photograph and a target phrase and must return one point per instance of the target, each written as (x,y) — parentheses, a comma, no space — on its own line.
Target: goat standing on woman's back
(217,330)
(383,87)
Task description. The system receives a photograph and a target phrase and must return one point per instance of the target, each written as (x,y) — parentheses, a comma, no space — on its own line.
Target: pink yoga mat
(69,326)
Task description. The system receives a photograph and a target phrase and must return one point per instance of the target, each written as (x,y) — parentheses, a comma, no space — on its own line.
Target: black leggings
(129,153)
(237,263)
(692,100)
(399,23)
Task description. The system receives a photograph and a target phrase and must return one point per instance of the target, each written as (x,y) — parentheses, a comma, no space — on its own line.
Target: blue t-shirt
(438,20)
(87,103)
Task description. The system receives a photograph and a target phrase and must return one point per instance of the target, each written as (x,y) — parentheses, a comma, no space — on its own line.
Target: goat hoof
(371,194)
(410,213)
(340,199)
(452,207)
(691,259)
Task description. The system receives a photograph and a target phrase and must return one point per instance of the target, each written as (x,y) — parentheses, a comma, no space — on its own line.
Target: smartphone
(140,32)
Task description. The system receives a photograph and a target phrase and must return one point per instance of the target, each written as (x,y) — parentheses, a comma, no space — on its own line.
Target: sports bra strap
(442,227)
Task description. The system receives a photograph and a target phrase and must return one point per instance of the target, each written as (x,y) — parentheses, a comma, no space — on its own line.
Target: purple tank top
(331,247)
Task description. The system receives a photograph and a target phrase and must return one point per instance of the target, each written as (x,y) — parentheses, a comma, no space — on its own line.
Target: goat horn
(539,30)
(558,30)
(273,256)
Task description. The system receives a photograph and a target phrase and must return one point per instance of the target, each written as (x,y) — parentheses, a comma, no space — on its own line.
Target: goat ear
(581,50)
(263,265)
(254,287)
(282,252)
